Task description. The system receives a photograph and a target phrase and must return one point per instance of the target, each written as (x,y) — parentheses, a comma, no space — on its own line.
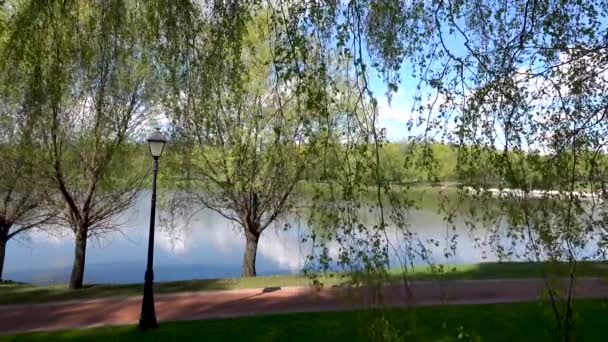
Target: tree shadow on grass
(23,293)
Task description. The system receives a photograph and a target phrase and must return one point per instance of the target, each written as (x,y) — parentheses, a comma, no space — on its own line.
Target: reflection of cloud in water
(283,248)
(171,242)
(210,230)
(206,228)
(224,236)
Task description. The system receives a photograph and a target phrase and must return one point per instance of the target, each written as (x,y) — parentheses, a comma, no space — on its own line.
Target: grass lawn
(12,293)
(501,322)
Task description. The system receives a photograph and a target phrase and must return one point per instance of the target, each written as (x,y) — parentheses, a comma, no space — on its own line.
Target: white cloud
(399,108)
(393,112)
(394,116)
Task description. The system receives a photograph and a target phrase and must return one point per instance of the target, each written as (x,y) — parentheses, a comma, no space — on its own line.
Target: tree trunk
(79,259)
(251,250)
(5,228)
(2,254)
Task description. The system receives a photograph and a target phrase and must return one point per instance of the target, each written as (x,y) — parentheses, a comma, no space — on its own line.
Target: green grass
(25,293)
(498,270)
(500,322)
(13,293)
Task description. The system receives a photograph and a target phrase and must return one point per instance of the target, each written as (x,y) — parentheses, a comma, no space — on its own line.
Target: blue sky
(394,116)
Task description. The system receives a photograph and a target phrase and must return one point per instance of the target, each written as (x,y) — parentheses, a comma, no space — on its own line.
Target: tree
(85,75)
(245,160)
(525,84)
(25,203)
(319,103)
(522,84)
(252,131)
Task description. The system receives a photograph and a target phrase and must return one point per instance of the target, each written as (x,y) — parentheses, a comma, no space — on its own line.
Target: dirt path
(202,305)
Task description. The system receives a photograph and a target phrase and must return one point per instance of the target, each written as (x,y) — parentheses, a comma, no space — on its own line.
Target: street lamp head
(157,142)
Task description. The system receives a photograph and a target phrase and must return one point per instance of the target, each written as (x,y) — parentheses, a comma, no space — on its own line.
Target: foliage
(25,204)
(84,81)
(525,80)
(254,133)
(263,95)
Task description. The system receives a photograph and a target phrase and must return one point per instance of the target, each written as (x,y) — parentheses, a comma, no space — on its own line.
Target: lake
(213,247)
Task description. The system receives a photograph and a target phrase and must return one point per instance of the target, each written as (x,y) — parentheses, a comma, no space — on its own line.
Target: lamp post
(147,319)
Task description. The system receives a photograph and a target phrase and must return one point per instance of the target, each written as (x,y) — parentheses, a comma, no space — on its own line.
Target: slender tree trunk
(251,249)
(2,254)
(5,228)
(77,277)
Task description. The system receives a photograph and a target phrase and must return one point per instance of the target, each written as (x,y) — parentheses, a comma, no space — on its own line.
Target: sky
(394,116)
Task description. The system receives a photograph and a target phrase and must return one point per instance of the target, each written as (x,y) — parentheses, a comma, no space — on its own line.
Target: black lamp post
(147,319)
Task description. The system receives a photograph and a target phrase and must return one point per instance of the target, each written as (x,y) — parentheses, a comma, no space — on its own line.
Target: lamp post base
(147,318)
(147,324)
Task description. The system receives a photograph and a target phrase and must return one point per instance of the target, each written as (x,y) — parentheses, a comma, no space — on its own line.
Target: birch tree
(85,75)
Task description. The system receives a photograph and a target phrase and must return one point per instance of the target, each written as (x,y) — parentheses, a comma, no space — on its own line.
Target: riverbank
(507,193)
(15,293)
(418,194)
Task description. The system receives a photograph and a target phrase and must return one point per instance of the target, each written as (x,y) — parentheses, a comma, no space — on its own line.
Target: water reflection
(213,247)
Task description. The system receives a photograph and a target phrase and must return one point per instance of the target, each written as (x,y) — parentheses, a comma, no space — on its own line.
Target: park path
(232,303)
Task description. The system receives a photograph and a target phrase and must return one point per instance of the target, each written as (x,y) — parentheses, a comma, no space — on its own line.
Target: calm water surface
(211,247)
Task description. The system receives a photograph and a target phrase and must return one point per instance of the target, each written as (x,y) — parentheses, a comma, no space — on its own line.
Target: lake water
(211,247)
